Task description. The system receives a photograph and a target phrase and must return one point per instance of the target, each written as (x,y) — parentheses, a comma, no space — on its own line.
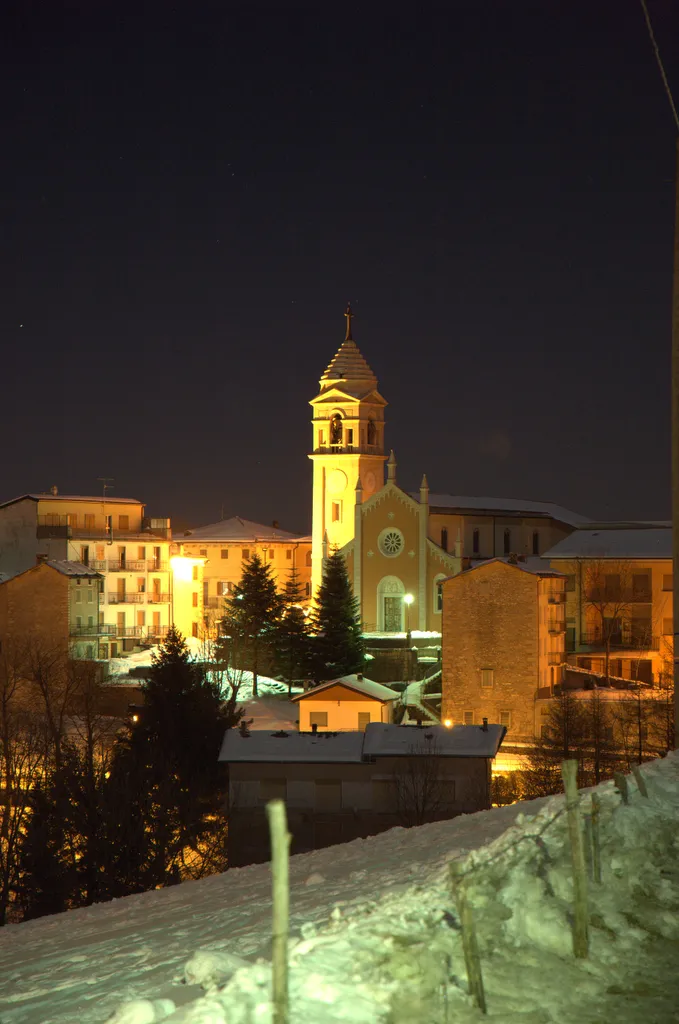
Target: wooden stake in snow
(620,781)
(641,781)
(596,838)
(569,772)
(469,944)
(280,856)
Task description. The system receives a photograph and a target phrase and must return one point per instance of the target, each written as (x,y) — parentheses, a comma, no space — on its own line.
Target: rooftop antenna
(106,485)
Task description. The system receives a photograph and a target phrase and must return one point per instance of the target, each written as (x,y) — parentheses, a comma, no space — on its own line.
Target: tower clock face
(337,481)
(369,481)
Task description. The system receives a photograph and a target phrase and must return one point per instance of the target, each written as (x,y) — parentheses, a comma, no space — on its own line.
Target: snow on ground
(375,931)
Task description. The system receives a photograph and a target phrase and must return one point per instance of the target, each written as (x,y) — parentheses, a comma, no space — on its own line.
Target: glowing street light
(448,723)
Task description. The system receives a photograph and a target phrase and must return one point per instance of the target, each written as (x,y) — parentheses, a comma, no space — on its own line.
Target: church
(399,546)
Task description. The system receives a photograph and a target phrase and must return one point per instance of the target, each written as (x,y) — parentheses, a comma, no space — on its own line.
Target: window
(350,436)
(390,542)
(141,584)
(438,594)
(246,554)
(467,717)
(476,542)
(506,718)
(229,588)
(194,599)
(156,620)
(273,789)
(336,429)
(372,432)
(195,572)
(89,521)
(221,588)
(612,589)
(444,538)
(271,554)
(668,626)
(288,554)
(206,591)
(319,718)
(667,581)
(570,583)
(85,554)
(72,518)
(90,596)
(224,553)
(78,595)
(641,586)
(203,552)
(194,629)
(507,541)
(79,621)
(308,558)
(307,590)
(487,677)
(141,618)
(336,511)
(123,522)
(363,720)
(536,542)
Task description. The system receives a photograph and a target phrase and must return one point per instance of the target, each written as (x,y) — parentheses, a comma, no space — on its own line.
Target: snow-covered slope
(379,934)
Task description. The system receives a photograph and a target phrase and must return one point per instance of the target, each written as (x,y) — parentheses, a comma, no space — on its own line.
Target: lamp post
(408,600)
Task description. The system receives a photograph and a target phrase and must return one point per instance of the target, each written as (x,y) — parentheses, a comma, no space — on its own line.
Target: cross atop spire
(348,314)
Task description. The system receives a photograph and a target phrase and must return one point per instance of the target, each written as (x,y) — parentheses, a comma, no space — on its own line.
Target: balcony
(555,658)
(349,449)
(155,565)
(157,632)
(99,565)
(52,532)
(557,597)
(556,628)
(153,597)
(214,602)
(128,631)
(99,629)
(631,641)
(133,597)
(127,565)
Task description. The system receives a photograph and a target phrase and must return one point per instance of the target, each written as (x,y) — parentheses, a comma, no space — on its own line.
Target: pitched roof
(378,740)
(110,500)
(504,506)
(68,568)
(237,529)
(352,682)
(636,542)
(534,565)
(348,364)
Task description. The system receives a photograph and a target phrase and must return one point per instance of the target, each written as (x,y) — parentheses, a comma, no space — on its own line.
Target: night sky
(191,192)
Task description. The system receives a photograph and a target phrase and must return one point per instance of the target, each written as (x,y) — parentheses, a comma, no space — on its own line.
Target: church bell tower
(348,448)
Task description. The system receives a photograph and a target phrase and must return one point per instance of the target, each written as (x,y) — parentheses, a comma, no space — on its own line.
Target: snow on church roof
(506,506)
(642,542)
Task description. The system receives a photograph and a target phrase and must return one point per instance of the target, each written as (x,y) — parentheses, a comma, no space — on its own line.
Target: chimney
(54,490)
(314,727)
(484,727)
(359,676)
(275,524)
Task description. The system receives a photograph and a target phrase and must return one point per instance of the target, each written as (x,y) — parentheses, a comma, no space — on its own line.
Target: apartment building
(225,546)
(619,600)
(502,643)
(142,590)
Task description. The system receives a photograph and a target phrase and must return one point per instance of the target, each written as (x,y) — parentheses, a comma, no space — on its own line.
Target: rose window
(391,542)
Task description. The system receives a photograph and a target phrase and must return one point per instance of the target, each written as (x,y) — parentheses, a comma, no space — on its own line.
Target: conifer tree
(252,614)
(292,634)
(337,642)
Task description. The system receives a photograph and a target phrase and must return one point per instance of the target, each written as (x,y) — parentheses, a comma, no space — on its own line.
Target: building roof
(532,564)
(348,364)
(503,506)
(237,529)
(378,740)
(67,568)
(109,500)
(383,740)
(637,542)
(357,683)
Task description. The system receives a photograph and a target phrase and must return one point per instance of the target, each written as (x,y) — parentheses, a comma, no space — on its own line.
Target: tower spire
(348,314)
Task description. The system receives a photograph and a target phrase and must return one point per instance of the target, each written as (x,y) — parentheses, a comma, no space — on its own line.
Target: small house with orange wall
(347,704)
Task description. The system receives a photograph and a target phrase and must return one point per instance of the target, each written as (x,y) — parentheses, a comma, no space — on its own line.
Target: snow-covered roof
(237,529)
(271,714)
(354,682)
(503,506)
(68,568)
(72,497)
(264,746)
(637,542)
(534,565)
(383,740)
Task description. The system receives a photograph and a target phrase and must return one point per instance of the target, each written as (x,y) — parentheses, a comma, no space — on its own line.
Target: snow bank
(375,935)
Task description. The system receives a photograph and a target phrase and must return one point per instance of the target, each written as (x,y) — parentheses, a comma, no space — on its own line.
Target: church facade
(400,546)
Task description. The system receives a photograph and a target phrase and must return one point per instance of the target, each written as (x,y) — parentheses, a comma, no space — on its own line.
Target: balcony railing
(157,632)
(557,597)
(619,595)
(99,629)
(154,597)
(556,628)
(127,565)
(98,564)
(356,449)
(555,658)
(635,641)
(132,597)
(156,565)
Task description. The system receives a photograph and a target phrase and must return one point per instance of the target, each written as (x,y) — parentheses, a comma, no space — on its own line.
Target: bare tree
(421,792)
(607,592)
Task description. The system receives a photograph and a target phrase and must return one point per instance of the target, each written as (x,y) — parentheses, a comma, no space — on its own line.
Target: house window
(476,542)
(308,558)
(487,677)
(123,522)
(271,554)
(350,436)
(319,718)
(363,720)
(288,554)
(194,629)
(668,626)
(536,543)
(141,553)
(221,588)
(438,595)
(507,541)
(224,553)
(229,588)
(194,599)
(336,511)
(273,789)
(78,595)
(570,583)
(141,618)
(141,584)
(467,717)
(195,572)
(307,590)
(444,538)
(89,521)
(203,552)
(90,596)
(85,555)
(246,554)
(667,581)
(506,718)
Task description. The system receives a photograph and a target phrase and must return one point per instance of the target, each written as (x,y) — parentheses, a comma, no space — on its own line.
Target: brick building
(502,643)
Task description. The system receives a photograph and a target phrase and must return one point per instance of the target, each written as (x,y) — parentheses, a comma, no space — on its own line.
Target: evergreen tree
(292,634)
(46,867)
(252,614)
(337,646)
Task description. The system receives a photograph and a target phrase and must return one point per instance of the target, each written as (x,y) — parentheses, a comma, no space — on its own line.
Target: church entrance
(390,592)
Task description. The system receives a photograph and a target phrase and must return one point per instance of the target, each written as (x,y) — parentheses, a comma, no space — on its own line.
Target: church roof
(348,364)
(504,507)
(238,529)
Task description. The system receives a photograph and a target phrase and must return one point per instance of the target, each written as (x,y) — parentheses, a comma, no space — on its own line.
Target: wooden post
(588,845)
(280,887)
(596,838)
(569,772)
(620,781)
(640,780)
(469,944)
